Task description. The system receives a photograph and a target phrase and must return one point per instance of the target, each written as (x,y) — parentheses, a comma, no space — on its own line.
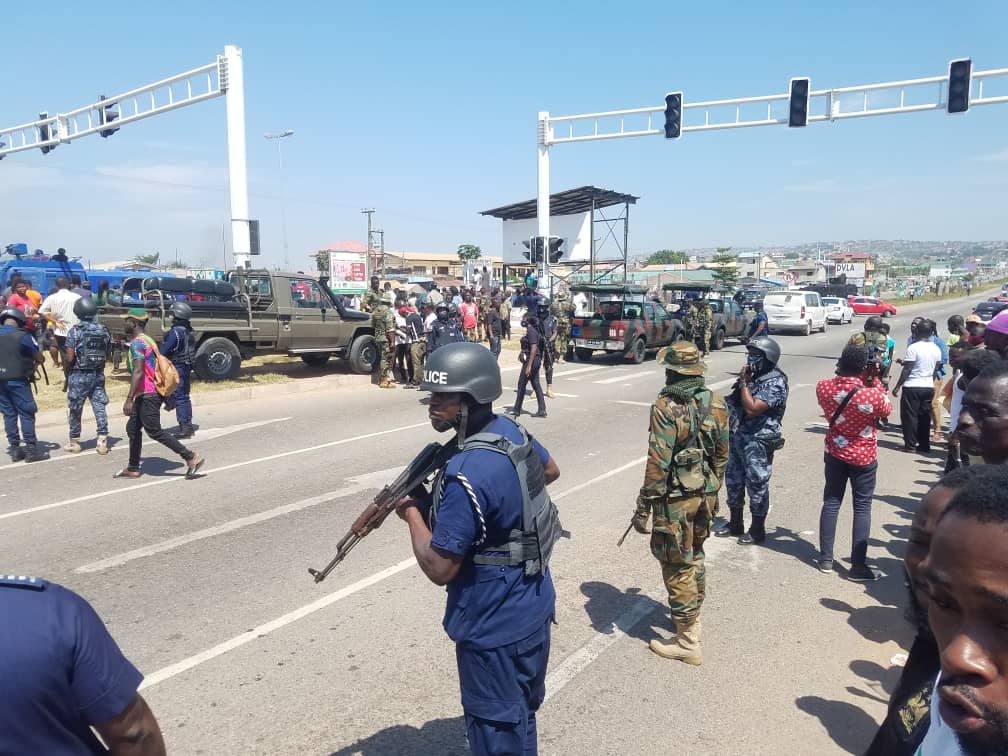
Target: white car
(838,310)
(795,311)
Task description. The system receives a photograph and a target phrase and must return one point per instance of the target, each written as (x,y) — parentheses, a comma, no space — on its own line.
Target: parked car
(795,311)
(871,306)
(730,320)
(838,310)
(987,310)
(625,323)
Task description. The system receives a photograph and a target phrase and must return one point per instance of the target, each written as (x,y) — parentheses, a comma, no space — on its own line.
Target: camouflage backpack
(688,468)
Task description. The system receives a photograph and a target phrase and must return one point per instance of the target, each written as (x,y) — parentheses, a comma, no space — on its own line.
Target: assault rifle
(416,473)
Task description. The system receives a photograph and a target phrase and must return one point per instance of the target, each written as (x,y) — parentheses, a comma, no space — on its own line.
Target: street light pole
(278,137)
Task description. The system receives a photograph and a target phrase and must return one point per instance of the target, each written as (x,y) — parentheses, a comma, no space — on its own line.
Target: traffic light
(106,115)
(673,115)
(45,134)
(799,102)
(534,249)
(555,253)
(959,83)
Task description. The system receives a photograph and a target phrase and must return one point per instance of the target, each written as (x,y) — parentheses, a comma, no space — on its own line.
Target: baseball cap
(136,313)
(999,323)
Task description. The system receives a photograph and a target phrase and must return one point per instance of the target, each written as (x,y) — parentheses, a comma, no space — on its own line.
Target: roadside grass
(993,287)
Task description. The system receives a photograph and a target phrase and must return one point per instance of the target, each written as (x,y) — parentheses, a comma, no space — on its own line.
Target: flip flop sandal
(192,471)
(127,473)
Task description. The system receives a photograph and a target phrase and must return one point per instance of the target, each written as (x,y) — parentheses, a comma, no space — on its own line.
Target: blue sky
(426,112)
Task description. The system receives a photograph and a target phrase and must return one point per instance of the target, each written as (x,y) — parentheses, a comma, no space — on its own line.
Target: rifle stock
(416,473)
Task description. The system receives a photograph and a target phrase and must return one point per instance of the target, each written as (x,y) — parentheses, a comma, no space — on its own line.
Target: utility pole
(367,265)
(381,249)
(278,137)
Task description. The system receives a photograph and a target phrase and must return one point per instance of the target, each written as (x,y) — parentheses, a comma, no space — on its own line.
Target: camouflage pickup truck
(730,320)
(252,312)
(624,322)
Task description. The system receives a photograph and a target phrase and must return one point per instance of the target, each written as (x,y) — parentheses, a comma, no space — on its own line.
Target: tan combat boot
(684,647)
(73,446)
(549,390)
(102,446)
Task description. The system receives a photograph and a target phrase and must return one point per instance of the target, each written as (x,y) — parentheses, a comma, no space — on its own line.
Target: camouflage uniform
(687,456)
(482,329)
(370,300)
(383,323)
(705,324)
(691,321)
(562,310)
(86,379)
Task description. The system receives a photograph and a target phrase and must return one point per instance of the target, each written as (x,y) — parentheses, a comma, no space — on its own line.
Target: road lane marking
(565,373)
(626,377)
(627,401)
(207,434)
(248,636)
(578,661)
(358,483)
(555,393)
(176,478)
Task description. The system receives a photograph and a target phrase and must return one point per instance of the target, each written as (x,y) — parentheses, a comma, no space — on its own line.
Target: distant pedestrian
(494,327)
(470,316)
(759,325)
(531,359)
(505,315)
(87,347)
(180,347)
(917,379)
(19,353)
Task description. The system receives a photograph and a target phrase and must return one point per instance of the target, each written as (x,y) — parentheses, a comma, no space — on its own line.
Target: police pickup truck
(730,320)
(253,312)
(624,321)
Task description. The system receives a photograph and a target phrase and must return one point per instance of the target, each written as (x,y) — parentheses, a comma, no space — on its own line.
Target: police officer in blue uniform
(19,353)
(756,409)
(445,330)
(61,674)
(486,532)
(87,346)
(180,348)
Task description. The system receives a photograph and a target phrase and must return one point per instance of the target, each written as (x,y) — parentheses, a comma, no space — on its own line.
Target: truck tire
(363,355)
(217,359)
(638,351)
(583,353)
(718,341)
(316,360)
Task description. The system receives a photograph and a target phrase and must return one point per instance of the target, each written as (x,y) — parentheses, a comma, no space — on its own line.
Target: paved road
(204,583)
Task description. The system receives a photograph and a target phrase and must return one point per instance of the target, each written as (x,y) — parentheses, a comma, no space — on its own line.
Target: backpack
(166,377)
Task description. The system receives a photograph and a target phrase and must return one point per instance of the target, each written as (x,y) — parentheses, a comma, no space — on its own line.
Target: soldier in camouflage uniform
(563,310)
(691,320)
(687,456)
(705,325)
(372,298)
(383,323)
(87,346)
(483,309)
(757,405)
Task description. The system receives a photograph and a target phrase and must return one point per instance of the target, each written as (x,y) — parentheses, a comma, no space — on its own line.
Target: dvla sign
(851,269)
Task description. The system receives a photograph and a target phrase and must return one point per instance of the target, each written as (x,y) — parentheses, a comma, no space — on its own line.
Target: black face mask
(129,330)
(755,364)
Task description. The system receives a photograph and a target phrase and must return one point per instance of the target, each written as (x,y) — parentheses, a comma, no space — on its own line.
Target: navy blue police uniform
(498,616)
(179,348)
(60,671)
(86,382)
(17,366)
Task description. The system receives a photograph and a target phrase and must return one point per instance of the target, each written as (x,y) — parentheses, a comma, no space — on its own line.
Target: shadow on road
(606,604)
(441,736)
(848,726)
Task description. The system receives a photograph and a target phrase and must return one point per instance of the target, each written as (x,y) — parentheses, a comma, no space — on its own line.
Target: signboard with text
(851,269)
(348,272)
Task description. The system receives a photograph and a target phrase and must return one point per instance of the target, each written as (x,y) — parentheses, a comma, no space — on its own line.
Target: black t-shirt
(494,321)
(909,714)
(530,339)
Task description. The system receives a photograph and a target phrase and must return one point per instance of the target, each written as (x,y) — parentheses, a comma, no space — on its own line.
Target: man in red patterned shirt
(852,409)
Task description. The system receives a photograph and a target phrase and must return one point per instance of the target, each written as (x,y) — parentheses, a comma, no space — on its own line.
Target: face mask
(442,316)
(754,363)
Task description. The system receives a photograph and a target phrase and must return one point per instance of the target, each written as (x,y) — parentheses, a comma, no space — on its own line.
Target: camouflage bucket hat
(683,357)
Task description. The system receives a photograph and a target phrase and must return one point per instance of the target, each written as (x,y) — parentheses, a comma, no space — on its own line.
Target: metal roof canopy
(584,199)
(624,289)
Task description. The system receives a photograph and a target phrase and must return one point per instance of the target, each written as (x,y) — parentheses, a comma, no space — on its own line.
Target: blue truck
(43,270)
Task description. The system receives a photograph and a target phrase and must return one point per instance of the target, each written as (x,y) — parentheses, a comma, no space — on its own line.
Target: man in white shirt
(580,301)
(920,363)
(57,308)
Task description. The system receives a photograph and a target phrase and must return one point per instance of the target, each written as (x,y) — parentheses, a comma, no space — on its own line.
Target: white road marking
(627,401)
(555,393)
(565,373)
(248,636)
(176,478)
(357,484)
(206,434)
(631,377)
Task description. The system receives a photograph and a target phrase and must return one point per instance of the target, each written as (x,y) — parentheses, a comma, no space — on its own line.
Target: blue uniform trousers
(749,467)
(502,688)
(17,403)
(183,404)
(82,386)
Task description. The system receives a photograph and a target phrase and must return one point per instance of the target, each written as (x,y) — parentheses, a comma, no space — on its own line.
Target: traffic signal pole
(815,106)
(222,78)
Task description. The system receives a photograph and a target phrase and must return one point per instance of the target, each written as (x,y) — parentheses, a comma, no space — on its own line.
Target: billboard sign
(348,272)
(851,269)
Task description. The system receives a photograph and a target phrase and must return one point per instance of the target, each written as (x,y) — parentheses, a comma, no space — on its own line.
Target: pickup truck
(730,320)
(623,322)
(252,312)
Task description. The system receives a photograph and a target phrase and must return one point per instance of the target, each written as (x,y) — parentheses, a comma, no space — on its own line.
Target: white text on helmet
(435,377)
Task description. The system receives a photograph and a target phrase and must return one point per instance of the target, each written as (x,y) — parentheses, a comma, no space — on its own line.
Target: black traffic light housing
(253,226)
(555,251)
(534,249)
(798,101)
(106,115)
(45,134)
(673,115)
(959,84)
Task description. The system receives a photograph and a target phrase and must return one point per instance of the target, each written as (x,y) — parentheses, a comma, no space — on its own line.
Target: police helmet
(453,309)
(85,308)
(441,306)
(766,346)
(544,305)
(181,311)
(873,323)
(465,368)
(14,314)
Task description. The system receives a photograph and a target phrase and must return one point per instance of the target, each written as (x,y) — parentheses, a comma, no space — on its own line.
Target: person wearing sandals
(143,402)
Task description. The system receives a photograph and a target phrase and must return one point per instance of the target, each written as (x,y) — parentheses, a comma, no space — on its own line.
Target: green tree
(322,260)
(666,257)
(151,259)
(725,272)
(467,252)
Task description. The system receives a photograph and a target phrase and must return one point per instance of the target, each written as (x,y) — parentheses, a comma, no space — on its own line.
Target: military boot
(757,531)
(185,430)
(73,446)
(102,446)
(16,452)
(684,647)
(734,527)
(549,390)
(34,454)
